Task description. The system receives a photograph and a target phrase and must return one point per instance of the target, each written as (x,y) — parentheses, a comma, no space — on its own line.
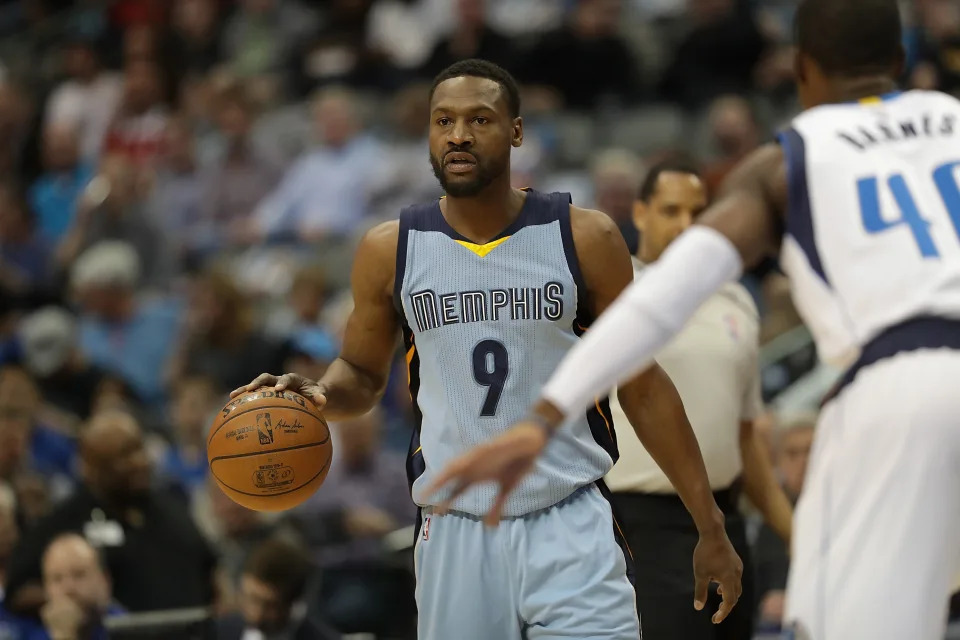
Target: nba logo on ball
(269,451)
(264,428)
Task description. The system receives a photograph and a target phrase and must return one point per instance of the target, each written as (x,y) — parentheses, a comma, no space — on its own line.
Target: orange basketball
(269,450)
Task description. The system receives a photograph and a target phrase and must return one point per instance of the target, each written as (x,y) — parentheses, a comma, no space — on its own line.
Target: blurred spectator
(310,352)
(9,533)
(524,18)
(55,194)
(220,338)
(33,498)
(26,445)
(114,207)
(794,441)
(339,53)
(193,41)
(734,133)
(137,131)
(194,401)
(718,55)
(51,353)
(365,496)
(25,256)
(411,178)
(232,529)
(238,180)
(616,183)
(272,587)
(19,132)
(405,31)
(471,37)
(154,555)
(327,192)
(585,60)
(260,36)
(174,202)
(129,13)
(938,64)
(141,42)
(121,333)
(87,100)
(77,590)
(305,304)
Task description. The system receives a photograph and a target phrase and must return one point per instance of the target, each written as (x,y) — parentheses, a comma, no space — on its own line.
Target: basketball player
(714,364)
(862,198)
(491,286)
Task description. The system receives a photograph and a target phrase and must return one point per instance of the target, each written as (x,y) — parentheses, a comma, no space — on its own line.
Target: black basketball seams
(280,450)
(271,406)
(271,495)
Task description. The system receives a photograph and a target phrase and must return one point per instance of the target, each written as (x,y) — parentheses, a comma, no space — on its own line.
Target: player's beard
(484,174)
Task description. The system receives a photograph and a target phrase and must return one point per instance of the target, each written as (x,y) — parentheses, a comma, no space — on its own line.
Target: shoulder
(382,239)
(592,228)
(375,261)
(763,173)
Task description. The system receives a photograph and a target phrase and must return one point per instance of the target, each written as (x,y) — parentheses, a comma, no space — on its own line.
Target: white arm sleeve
(646,316)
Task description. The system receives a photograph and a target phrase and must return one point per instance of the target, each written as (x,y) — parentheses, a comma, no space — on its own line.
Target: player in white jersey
(862,199)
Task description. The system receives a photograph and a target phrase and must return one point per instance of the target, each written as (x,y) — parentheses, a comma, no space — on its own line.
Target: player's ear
(639,214)
(517,132)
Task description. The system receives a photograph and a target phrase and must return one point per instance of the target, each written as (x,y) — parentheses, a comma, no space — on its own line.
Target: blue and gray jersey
(484,326)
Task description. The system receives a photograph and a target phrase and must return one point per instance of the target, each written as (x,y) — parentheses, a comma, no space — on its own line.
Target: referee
(714,365)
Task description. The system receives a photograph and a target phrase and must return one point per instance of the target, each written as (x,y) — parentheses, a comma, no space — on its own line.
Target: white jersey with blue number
(873,226)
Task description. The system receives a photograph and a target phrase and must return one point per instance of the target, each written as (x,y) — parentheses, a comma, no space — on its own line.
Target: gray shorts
(555,573)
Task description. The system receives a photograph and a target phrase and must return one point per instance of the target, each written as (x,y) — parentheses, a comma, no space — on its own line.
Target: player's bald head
(849,38)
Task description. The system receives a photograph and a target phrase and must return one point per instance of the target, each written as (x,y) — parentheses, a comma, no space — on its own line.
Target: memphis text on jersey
(433,310)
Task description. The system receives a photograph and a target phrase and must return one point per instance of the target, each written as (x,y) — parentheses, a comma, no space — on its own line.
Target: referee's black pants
(662,537)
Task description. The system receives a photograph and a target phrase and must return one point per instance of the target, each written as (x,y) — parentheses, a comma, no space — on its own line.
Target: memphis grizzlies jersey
(484,327)
(873,224)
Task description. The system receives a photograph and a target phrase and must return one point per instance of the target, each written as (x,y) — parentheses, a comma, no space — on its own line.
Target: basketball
(269,450)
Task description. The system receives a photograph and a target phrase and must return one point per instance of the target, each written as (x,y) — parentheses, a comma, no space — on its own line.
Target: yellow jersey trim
(482,249)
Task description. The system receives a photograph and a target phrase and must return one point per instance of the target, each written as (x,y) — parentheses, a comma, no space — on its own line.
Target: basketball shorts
(557,573)
(875,550)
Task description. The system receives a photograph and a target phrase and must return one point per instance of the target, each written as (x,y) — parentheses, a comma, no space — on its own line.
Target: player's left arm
(739,229)
(653,406)
(649,400)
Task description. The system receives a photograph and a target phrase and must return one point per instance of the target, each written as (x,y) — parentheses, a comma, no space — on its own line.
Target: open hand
(714,560)
(309,389)
(505,460)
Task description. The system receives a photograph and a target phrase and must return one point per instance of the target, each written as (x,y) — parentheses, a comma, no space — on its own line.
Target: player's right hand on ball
(306,387)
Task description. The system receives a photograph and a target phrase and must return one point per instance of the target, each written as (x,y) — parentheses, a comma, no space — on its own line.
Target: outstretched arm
(355,381)
(740,228)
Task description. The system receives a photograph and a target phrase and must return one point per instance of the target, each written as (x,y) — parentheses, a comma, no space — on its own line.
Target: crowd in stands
(182,184)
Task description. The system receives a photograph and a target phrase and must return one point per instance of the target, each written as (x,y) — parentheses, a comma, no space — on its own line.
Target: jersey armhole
(799,215)
(584,317)
(406,217)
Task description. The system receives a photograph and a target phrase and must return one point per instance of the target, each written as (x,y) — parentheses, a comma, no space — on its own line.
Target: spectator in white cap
(121,333)
(48,344)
